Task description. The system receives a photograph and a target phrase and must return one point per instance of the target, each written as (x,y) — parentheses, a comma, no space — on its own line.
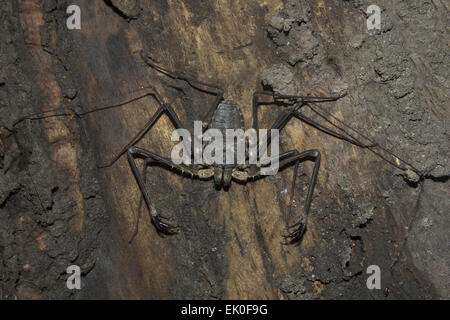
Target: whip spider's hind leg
(147,162)
(296,231)
(161,222)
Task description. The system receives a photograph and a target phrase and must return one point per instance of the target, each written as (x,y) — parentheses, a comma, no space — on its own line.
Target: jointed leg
(160,222)
(144,178)
(164,108)
(284,118)
(348,137)
(194,83)
(295,231)
(148,90)
(275,96)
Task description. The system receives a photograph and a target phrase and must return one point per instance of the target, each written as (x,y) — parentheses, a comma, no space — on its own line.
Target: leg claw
(294,233)
(163,226)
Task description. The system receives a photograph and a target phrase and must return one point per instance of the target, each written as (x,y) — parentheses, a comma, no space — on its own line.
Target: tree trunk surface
(384,205)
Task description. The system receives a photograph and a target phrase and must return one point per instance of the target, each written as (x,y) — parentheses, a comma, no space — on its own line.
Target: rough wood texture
(65,210)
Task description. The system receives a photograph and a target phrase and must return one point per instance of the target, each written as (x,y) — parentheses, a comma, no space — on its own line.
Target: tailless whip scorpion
(222,115)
